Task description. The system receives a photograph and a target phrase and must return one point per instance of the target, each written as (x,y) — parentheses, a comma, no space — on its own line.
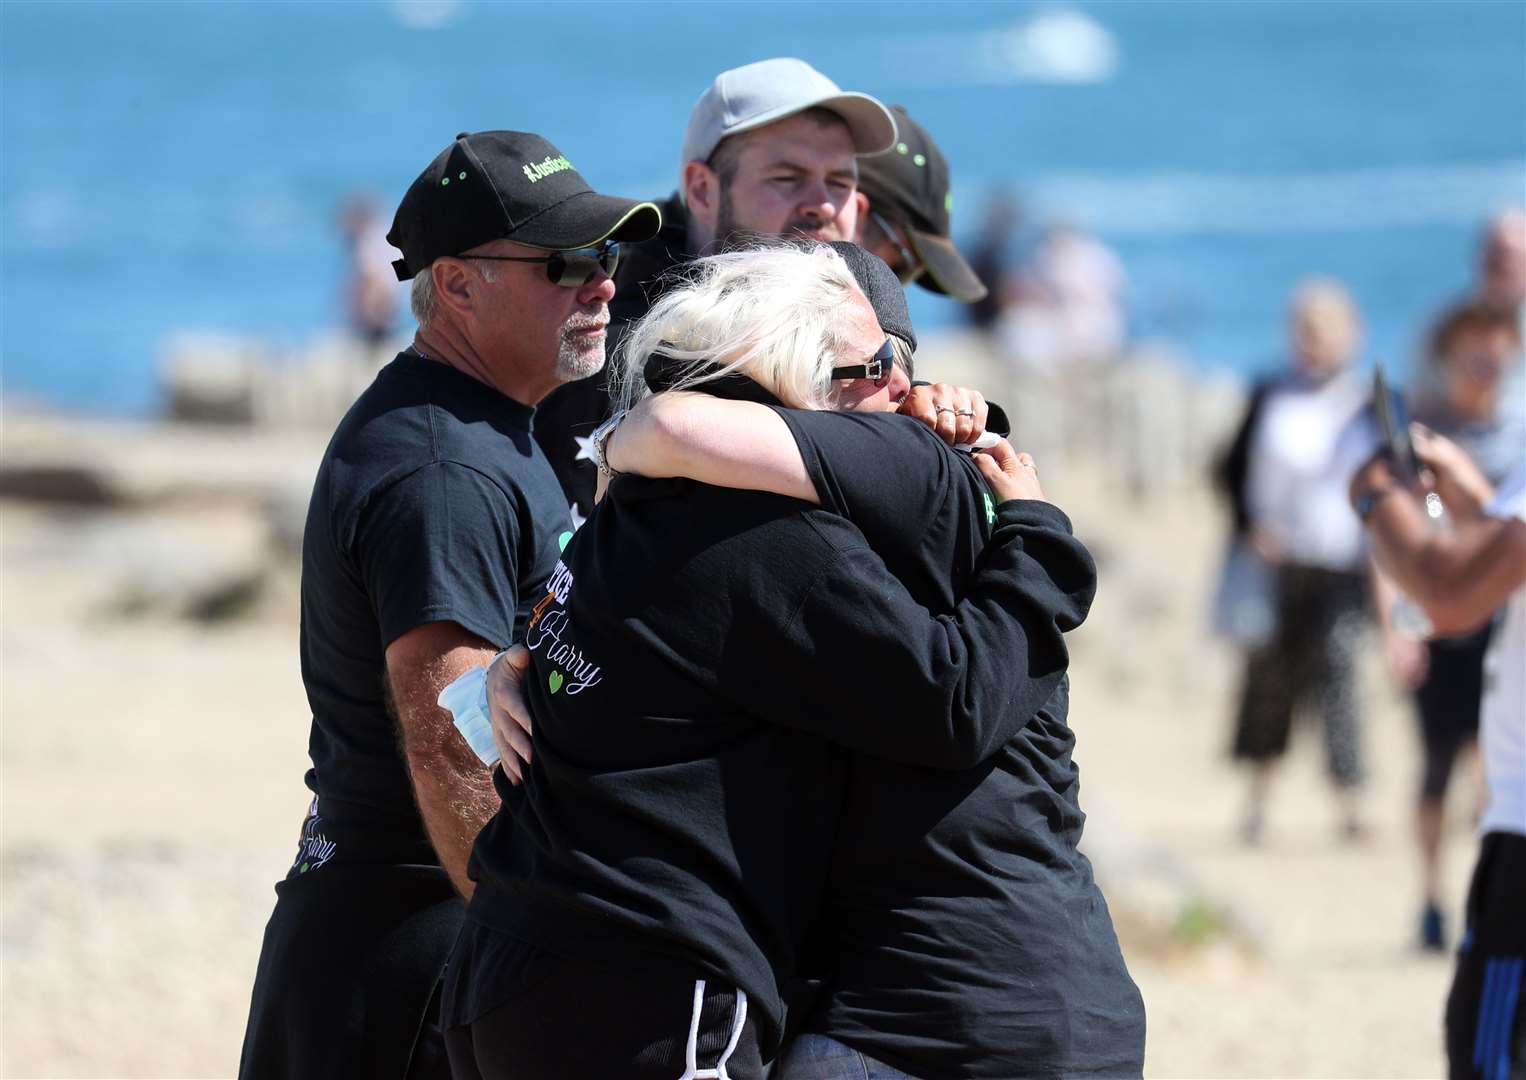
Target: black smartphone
(1393,427)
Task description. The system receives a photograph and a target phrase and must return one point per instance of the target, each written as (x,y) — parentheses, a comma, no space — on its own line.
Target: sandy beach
(154,740)
(1165,203)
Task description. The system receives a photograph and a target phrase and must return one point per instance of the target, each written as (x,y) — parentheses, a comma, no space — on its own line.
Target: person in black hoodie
(962,934)
(702,664)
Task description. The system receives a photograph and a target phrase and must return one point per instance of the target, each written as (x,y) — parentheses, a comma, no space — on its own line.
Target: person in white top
(1298,455)
(1460,577)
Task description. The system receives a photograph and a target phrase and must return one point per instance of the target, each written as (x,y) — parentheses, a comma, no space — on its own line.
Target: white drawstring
(738,1019)
(692,1071)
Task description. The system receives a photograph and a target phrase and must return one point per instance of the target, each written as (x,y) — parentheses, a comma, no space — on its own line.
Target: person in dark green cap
(905,203)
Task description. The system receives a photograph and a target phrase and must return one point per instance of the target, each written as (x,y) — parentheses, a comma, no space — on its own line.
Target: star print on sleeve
(585,448)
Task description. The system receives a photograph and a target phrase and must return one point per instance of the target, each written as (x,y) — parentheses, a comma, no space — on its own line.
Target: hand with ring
(956,413)
(1011,474)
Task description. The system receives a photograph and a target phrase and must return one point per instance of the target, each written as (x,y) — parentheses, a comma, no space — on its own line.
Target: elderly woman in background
(1286,474)
(703,669)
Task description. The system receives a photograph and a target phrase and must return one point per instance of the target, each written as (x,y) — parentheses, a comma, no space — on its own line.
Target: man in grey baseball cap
(771,150)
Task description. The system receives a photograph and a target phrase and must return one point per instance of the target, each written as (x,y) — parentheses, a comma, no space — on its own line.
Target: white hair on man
(776,314)
(421,295)
(421,299)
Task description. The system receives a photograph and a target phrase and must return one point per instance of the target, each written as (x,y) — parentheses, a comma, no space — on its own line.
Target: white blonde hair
(777,314)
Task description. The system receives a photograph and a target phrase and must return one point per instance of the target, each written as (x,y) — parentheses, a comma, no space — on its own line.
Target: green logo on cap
(551,165)
(919,160)
(948,202)
(902,148)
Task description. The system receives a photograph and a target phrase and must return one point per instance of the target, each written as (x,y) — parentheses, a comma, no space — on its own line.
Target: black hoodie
(962,933)
(702,664)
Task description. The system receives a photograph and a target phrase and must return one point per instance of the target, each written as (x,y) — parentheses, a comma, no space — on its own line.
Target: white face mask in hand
(466,701)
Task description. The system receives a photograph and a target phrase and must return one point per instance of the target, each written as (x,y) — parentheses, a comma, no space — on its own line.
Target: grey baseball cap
(757,94)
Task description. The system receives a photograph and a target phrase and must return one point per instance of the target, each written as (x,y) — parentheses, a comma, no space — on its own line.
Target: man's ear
(702,191)
(455,286)
(863,218)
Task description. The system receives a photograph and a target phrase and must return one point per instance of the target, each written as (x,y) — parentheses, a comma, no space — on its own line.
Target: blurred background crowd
(1200,226)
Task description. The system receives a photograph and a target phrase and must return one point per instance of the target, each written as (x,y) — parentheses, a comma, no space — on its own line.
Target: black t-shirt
(962,933)
(700,664)
(432,504)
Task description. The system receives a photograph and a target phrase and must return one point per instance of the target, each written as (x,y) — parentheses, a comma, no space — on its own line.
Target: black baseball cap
(882,288)
(909,185)
(507,185)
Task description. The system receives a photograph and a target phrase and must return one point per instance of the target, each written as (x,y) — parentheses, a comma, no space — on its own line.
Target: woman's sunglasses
(572,268)
(878,368)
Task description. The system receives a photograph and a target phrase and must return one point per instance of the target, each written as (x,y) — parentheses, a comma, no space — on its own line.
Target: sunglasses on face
(878,367)
(569,269)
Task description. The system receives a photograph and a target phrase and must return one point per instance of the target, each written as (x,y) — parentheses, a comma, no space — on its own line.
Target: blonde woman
(708,671)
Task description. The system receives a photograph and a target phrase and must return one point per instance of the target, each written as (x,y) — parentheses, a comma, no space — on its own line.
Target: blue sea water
(166,167)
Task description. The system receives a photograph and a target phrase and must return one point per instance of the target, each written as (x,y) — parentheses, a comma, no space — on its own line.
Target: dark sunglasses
(569,269)
(878,368)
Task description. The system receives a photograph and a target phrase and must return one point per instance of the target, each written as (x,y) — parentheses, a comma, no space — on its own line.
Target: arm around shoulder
(735,444)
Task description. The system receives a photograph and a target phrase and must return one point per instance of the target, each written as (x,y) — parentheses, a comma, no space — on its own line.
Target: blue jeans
(817,1057)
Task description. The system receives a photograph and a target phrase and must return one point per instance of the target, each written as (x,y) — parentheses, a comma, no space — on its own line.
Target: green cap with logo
(909,185)
(508,185)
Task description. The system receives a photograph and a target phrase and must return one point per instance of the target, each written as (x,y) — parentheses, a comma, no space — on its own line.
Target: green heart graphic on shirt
(563,540)
(555,681)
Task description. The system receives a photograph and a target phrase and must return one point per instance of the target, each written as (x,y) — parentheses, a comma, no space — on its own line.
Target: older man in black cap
(434,523)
